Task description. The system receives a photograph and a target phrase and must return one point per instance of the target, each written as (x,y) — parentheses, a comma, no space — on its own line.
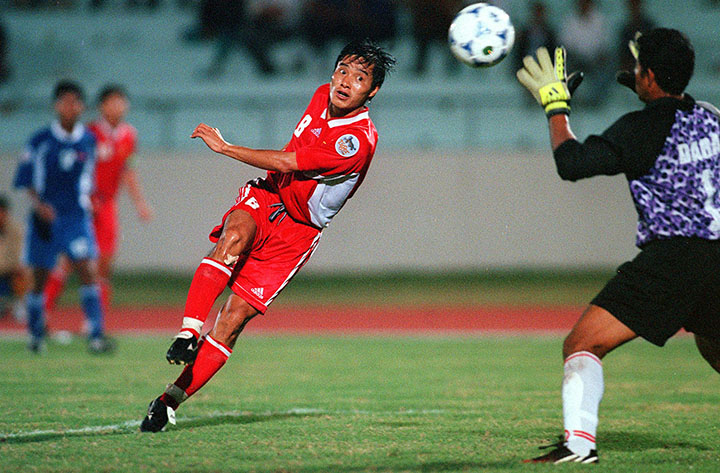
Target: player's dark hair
(671,57)
(67,86)
(109,90)
(371,55)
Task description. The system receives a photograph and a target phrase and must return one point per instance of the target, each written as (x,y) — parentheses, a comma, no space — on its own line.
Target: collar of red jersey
(333,122)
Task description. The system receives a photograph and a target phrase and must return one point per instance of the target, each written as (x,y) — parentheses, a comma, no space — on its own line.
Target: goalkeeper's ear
(626,78)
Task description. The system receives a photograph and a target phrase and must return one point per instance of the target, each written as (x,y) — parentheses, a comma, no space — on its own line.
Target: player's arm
(44,210)
(560,132)
(131,180)
(271,160)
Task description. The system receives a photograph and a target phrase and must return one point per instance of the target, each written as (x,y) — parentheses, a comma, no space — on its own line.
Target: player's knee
(575,344)
(230,246)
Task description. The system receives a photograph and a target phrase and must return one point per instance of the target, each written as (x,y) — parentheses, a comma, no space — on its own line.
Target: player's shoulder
(41,135)
(359,123)
(322,91)
(126,130)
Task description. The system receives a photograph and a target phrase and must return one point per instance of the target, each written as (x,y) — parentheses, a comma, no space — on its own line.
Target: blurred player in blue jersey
(57,170)
(670,154)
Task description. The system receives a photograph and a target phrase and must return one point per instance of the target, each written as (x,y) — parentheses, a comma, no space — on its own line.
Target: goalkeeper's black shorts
(671,284)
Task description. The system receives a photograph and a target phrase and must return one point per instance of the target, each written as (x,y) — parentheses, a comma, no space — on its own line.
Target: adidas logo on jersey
(316,131)
(258,291)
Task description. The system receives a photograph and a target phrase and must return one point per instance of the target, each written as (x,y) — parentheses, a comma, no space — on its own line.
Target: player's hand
(548,82)
(42,217)
(144,211)
(183,349)
(211,136)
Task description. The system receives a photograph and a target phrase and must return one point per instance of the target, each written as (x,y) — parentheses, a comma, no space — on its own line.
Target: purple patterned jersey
(680,195)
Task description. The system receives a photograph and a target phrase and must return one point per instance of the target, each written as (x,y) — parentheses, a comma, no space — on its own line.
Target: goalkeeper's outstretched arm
(560,131)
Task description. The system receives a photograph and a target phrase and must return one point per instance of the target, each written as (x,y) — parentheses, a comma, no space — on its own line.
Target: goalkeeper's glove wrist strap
(556,108)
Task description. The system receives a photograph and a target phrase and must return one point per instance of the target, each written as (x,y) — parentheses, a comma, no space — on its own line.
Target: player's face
(641,83)
(69,107)
(114,108)
(350,86)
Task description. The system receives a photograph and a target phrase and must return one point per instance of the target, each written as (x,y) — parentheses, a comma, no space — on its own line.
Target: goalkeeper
(669,151)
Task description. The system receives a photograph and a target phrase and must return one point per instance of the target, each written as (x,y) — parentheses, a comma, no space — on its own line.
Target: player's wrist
(557,108)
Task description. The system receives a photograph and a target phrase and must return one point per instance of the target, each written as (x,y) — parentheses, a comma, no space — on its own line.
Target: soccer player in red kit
(275,224)
(116,144)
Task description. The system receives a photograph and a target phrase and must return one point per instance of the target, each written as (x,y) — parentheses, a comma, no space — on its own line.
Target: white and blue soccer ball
(481,35)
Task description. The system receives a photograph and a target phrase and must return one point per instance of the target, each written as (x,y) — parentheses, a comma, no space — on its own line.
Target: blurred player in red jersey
(116,144)
(275,224)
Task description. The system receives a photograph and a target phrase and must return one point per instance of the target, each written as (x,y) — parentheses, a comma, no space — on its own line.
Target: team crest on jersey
(347,145)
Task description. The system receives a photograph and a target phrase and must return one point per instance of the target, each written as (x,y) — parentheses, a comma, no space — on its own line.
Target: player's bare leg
(710,350)
(209,281)
(598,332)
(595,334)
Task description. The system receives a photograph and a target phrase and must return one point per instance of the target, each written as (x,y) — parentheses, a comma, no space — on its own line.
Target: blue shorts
(72,235)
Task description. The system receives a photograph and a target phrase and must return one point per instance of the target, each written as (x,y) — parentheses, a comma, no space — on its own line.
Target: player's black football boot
(183,350)
(562,454)
(159,414)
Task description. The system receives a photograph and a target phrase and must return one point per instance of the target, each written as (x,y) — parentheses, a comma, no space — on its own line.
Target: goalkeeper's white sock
(582,391)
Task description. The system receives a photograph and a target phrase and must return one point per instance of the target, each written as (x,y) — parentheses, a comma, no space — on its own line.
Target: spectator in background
(324,21)
(585,36)
(636,21)
(116,145)
(14,277)
(271,22)
(430,22)
(230,23)
(537,32)
(374,19)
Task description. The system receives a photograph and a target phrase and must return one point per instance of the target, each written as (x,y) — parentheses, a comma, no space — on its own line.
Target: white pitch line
(134,424)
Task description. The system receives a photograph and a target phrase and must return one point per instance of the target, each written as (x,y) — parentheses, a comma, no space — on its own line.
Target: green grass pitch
(353,404)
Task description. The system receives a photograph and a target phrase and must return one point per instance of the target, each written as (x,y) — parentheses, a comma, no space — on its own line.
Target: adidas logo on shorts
(258,291)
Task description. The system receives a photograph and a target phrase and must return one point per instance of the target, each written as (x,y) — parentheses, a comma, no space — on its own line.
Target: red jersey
(114,148)
(333,155)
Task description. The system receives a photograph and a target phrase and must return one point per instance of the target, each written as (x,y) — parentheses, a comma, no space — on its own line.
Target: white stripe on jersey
(332,123)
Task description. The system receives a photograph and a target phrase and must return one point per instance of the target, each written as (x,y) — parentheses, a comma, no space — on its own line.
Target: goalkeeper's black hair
(670,55)
(67,86)
(371,55)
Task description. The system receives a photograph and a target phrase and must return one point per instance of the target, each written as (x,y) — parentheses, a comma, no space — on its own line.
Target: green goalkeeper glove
(548,82)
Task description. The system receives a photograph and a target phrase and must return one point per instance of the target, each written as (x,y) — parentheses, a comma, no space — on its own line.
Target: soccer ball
(481,35)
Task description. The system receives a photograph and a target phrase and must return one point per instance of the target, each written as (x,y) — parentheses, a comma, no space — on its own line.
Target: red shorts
(281,246)
(105,222)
